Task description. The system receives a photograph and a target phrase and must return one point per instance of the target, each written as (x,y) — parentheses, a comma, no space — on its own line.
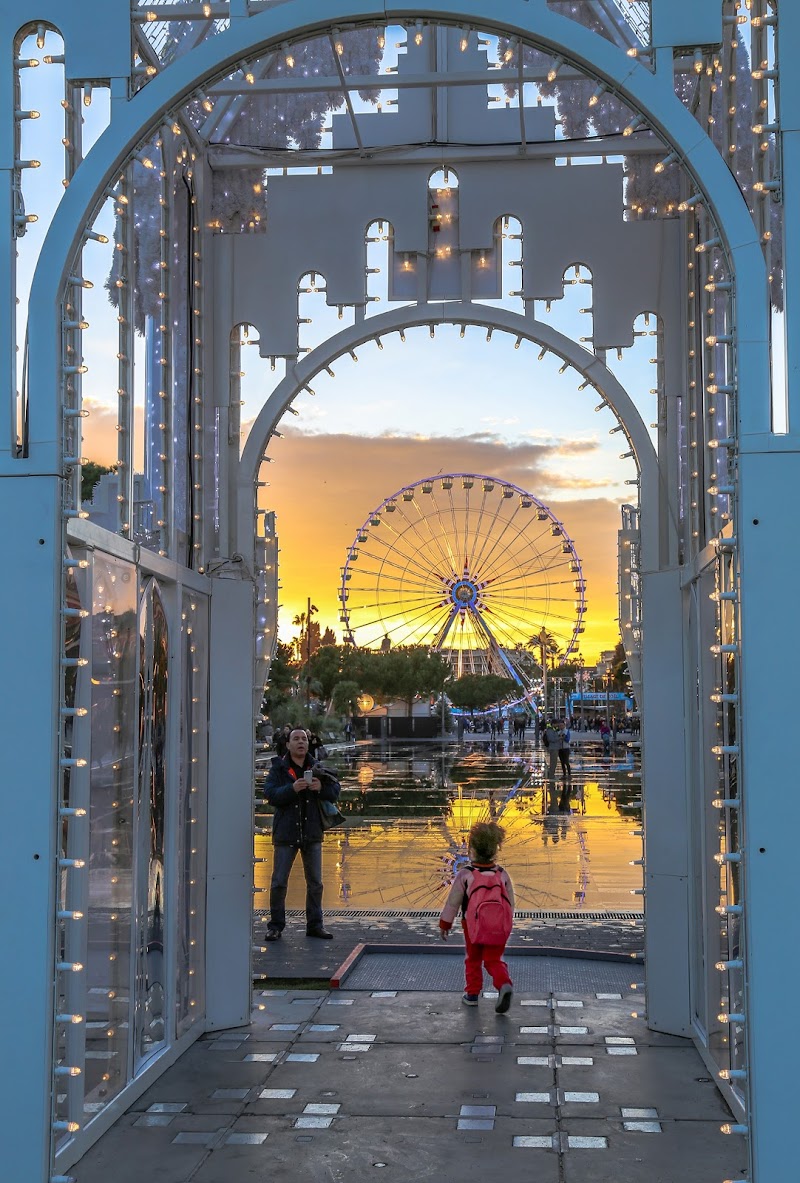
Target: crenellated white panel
(632,263)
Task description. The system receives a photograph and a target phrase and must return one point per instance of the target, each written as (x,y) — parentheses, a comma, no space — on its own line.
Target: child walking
(483,893)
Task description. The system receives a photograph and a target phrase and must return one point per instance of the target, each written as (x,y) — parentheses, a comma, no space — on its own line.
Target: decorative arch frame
(761,463)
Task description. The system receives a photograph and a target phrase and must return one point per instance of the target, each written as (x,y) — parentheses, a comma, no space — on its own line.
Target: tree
(477,692)
(620,675)
(344,698)
(406,673)
(90,475)
(328,638)
(327,667)
(551,646)
(282,681)
(304,622)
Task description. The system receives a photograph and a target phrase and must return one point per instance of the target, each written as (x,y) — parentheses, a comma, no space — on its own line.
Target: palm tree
(303,622)
(547,645)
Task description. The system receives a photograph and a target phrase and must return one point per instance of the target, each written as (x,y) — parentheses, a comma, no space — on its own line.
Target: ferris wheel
(469,565)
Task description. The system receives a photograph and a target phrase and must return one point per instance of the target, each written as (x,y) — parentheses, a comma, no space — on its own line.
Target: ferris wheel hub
(464,593)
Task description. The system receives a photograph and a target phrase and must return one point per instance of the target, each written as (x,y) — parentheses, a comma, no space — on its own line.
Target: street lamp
(606,683)
(580,678)
(542,639)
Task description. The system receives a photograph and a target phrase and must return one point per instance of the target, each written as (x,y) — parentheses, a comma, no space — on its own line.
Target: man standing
(294,788)
(551,738)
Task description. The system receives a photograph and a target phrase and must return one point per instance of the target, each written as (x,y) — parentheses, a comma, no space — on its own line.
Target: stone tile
(665,1079)
(689,1151)
(194,1138)
(534,1141)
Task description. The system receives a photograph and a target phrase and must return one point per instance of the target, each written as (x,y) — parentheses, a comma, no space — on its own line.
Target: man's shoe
(470,999)
(272,934)
(319,932)
(504,1001)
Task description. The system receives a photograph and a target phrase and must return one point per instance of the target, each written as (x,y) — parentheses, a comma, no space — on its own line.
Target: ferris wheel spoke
(521,573)
(477,559)
(515,553)
(415,601)
(442,542)
(410,538)
(446,542)
(402,620)
(455,524)
(405,548)
(423,533)
(410,564)
(509,565)
(487,557)
(470,544)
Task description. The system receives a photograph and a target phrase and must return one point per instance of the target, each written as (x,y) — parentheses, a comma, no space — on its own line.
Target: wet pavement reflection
(570,845)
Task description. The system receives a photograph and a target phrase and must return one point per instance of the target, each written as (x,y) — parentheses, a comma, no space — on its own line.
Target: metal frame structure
(715,513)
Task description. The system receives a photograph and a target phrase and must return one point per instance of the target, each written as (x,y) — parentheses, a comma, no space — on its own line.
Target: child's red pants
(479,955)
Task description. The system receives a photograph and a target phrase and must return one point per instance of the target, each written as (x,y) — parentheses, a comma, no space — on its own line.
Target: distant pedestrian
(605,736)
(483,893)
(551,738)
(281,741)
(563,751)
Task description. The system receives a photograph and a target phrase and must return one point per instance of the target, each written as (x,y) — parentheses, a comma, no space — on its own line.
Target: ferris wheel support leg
(664,783)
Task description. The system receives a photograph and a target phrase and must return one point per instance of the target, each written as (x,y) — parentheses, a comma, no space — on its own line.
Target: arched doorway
(745,339)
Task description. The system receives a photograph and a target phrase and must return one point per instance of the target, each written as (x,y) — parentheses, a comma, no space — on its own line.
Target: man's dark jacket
(297,821)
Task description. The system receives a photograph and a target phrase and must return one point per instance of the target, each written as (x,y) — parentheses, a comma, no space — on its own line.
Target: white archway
(761,541)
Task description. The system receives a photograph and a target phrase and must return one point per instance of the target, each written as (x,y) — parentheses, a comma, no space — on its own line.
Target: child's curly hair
(485,838)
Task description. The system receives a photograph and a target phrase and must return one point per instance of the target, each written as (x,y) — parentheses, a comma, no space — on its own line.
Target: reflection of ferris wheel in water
(469,565)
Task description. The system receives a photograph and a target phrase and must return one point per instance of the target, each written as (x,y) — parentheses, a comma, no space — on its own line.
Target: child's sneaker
(471,999)
(504,1001)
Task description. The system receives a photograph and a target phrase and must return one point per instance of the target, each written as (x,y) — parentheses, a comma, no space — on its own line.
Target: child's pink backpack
(489,916)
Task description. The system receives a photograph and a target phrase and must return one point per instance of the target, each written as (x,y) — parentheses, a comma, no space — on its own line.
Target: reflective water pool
(568,847)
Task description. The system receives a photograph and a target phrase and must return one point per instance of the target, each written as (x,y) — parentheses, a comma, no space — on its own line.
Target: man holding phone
(294,788)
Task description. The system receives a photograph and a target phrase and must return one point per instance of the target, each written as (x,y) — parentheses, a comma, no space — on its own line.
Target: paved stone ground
(296,957)
(332,1087)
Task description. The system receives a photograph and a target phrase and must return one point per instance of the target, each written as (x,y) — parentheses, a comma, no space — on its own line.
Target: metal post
(543,650)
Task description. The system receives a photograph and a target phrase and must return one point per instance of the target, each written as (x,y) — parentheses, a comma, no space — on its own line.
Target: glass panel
(150,817)
(114,669)
(191,881)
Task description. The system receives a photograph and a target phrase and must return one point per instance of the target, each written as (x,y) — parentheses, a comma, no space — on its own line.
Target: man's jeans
(283,858)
